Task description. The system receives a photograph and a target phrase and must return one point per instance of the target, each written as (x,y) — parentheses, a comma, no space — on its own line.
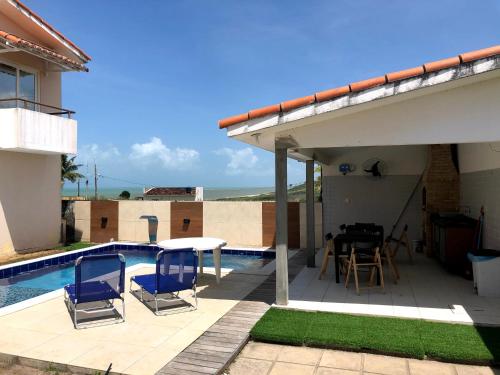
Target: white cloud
(243,162)
(156,151)
(91,152)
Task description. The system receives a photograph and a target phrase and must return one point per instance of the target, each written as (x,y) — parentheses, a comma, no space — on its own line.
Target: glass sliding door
(17,83)
(8,85)
(27,89)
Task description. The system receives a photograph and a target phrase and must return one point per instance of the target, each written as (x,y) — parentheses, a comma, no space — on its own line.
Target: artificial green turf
(407,337)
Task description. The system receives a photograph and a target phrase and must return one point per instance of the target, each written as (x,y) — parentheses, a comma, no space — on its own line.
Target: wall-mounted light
(346,168)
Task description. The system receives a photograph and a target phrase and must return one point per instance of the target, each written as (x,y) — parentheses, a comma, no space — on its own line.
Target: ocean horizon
(209,193)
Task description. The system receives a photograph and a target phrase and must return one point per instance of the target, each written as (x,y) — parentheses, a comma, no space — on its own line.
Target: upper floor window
(17,83)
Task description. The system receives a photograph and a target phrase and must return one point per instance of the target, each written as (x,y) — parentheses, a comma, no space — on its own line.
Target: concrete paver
(341,360)
(249,366)
(284,368)
(300,355)
(259,350)
(274,359)
(381,364)
(430,367)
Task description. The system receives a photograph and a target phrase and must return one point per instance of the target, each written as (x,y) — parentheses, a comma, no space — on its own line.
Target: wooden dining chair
(405,242)
(389,253)
(364,254)
(329,253)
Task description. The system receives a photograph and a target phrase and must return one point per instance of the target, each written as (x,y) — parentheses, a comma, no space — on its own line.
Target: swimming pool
(26,280)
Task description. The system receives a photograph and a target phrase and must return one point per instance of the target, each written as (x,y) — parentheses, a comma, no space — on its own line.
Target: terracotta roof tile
(332,93)
(441,64)
(21,43)
(403,74)
(479,54)
(367,83)
(224,123)
(296,103)
(50,27)
(362,85)
(264,111)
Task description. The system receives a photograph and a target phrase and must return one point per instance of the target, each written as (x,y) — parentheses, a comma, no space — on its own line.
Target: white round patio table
(199,244)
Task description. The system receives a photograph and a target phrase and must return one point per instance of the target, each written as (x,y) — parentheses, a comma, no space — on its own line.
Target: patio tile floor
(141,345)
(425,291)
(255,360)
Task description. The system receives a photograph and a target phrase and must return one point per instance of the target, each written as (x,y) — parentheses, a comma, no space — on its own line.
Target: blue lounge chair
(176,270)
(98,278)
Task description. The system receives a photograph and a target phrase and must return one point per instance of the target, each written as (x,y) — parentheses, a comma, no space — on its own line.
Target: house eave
(377,96)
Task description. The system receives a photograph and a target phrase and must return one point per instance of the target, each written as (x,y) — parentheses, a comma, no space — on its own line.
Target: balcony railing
(35,106)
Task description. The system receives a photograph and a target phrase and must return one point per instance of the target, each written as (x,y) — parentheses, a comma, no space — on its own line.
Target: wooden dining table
(351,235)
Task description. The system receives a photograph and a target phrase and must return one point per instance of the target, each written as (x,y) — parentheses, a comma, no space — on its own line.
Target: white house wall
(480,186)
(30,203)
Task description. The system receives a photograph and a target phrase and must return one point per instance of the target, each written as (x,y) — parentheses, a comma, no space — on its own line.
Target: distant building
(173,194)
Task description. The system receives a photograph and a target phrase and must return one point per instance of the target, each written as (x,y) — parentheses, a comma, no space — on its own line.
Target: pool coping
(58,255)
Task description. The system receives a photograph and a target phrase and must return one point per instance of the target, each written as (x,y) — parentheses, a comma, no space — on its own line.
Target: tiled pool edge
(223,341)
(13,269)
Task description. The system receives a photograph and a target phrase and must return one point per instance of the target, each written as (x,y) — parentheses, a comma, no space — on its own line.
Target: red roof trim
(296,103)
(479,54)
(51,28)
(264,111)
(224,123)
(23,43)
(332,93)
(403,74)
(362,85)
(441,64)
(367,83)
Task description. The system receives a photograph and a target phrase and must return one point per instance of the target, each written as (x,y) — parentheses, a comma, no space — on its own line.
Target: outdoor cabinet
(453,237)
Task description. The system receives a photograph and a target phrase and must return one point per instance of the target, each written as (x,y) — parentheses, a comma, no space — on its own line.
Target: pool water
(31,284)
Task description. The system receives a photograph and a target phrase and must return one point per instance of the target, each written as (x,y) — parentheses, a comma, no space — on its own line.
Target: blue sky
(164,72)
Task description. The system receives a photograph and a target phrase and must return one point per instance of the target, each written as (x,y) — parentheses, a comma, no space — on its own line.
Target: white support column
(280,157)
(310,225)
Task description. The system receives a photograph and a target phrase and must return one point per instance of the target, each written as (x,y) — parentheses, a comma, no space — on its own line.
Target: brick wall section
(269,224)
(478,189)
(186,210)
(103,221)
(442,187)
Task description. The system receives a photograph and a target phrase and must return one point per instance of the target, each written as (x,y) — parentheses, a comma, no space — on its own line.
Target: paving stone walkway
(270,359)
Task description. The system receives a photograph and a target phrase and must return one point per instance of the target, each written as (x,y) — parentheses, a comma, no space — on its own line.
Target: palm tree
(69,170)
